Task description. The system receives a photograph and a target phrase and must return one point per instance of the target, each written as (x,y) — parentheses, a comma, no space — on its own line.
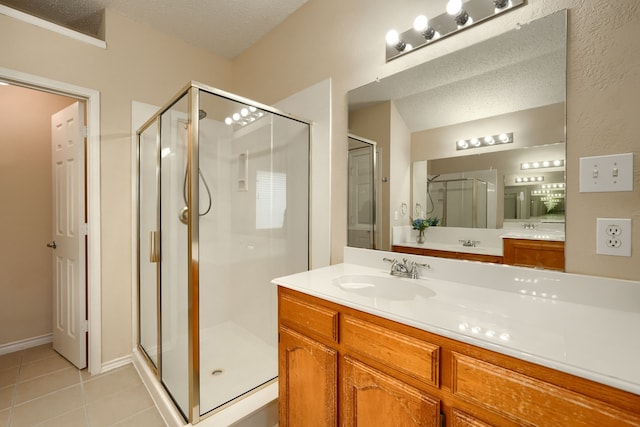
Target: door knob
(52,244)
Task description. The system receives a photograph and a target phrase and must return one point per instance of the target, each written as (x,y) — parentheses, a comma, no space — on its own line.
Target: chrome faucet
(405,268)
(469,243)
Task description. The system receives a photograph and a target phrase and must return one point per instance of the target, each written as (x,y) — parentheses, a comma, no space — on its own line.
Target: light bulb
(489,140)
(252,109)
(228,120)
(540,178)
(454,7)
(546,164)
(236,116)
(392,37)
(525,166)
(536,164)
(244,112)
(420,23)
(475,142)
(503,137)
(557,163)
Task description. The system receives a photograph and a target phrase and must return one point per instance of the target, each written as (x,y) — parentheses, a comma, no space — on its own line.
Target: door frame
(94,266)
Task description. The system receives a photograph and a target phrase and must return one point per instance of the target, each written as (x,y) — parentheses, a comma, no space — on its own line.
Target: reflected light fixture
(528,179)
(485,141)
(458,16)
(248,114)
(455,9)
(542,164)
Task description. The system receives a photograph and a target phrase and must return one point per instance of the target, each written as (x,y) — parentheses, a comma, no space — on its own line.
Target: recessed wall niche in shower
(223,208)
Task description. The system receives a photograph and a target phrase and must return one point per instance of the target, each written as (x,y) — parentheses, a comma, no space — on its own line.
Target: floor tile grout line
(84,401)
(15,391)
(44,375)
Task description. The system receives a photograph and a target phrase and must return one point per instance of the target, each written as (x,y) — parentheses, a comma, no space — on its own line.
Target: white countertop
(557,320)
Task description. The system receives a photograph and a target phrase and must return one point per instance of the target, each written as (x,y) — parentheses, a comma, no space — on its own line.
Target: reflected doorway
(362,193)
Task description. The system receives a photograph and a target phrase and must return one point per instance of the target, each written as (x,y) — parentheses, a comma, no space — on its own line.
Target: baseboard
(26,343)
(115,363)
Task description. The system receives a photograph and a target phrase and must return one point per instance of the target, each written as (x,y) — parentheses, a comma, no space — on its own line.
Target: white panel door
(69,231)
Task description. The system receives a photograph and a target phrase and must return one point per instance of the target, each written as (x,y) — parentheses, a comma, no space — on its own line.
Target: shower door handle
(154,255)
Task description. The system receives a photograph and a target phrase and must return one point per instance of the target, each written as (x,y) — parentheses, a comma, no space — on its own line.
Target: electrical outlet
(613,236)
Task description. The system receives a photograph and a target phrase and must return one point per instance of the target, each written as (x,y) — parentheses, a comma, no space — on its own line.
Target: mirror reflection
(430,123)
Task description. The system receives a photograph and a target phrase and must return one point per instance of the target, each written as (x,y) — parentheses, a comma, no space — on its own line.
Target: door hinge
(83,131)
(85,326)
(85,229)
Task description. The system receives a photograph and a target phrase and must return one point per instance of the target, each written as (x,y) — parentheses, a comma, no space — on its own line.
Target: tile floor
(38,387)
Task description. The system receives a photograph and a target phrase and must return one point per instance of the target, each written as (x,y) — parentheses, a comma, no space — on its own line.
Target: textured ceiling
(224,27)
(518,70)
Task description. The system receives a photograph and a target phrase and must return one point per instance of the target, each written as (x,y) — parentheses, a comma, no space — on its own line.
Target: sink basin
(391,288)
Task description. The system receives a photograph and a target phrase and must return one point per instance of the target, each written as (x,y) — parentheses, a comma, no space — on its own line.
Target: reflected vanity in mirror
(482,133)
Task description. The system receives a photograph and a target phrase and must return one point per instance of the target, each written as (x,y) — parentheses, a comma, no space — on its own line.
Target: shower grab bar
(154,255)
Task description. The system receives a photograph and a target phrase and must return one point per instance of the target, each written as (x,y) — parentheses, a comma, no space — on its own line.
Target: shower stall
(223,207)
(459,202)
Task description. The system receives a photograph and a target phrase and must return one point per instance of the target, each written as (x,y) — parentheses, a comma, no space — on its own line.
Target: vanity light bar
(546,193)
(555,185)
(459,16)
(529,179)
(542,164)
(484,141)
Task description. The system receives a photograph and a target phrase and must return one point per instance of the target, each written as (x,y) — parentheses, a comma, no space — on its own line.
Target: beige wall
(344,41)
(25,218)
(139,64)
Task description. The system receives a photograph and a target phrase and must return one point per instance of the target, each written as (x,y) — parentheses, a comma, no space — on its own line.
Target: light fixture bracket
(445,25)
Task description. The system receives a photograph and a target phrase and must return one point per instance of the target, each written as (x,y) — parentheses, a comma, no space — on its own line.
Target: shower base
(233,361)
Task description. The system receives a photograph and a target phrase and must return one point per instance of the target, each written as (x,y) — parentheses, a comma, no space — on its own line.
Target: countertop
(574,330)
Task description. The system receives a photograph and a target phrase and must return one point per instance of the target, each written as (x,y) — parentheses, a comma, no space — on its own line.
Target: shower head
(202,114)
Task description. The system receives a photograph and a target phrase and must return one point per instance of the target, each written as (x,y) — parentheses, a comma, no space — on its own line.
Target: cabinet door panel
(372,398)
(307,381)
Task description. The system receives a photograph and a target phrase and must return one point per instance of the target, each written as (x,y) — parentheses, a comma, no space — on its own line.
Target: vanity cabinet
(340,366)
(534,253)
(496,259)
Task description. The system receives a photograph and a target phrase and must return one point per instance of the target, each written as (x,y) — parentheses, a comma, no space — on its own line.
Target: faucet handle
(389,260)
(421,265)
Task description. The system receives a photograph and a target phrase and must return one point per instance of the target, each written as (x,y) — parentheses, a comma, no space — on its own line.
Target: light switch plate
(606,173)
(613,236)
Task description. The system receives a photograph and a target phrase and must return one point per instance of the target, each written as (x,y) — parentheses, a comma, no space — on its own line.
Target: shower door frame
(192,90)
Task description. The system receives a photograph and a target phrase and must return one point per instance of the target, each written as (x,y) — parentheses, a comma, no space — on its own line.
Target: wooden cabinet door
(308,381)
(373,398)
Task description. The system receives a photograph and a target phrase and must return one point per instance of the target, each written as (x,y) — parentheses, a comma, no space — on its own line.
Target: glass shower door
(148,242)
(253,226)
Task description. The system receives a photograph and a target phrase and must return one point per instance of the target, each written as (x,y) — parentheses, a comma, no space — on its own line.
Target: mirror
(512,83)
